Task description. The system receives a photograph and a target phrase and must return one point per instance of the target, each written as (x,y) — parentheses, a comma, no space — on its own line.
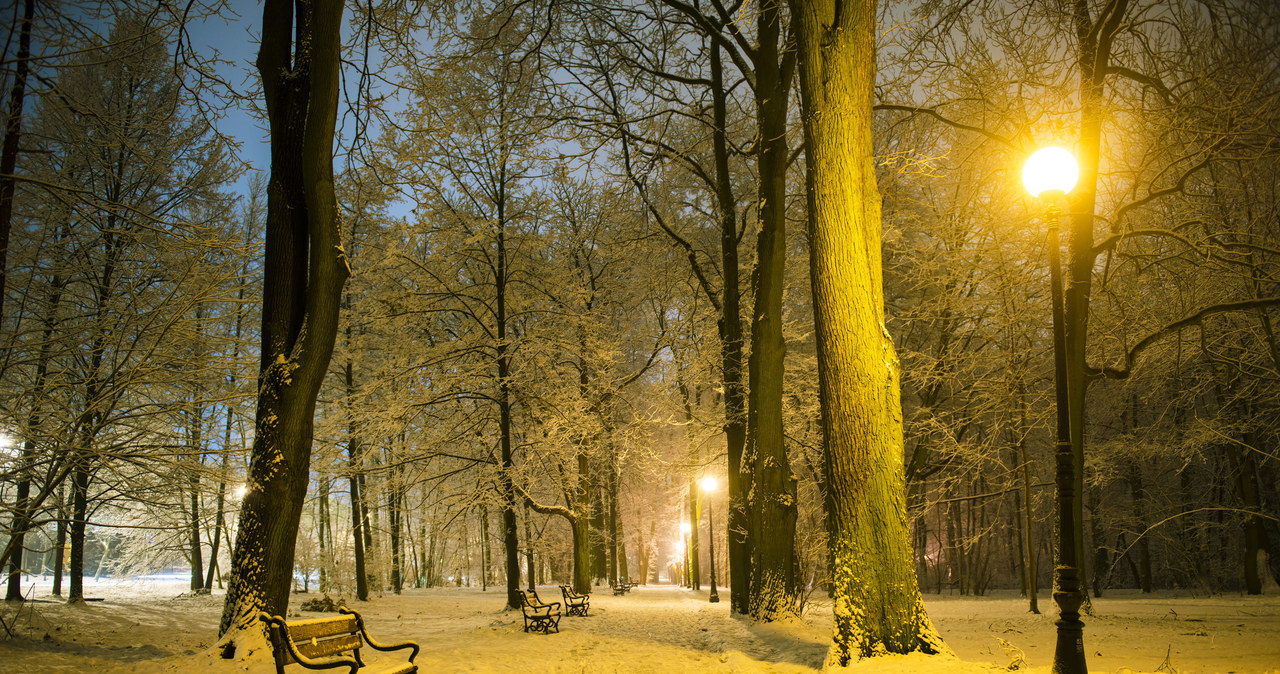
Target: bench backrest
(318,637)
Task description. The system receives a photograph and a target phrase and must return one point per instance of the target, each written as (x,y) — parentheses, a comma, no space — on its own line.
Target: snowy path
(659,629)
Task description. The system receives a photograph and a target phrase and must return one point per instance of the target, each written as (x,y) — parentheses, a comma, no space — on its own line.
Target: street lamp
(688,577)
(1048,175)
(708,486)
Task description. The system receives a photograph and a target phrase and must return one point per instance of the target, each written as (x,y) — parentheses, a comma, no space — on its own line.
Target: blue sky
(235,39)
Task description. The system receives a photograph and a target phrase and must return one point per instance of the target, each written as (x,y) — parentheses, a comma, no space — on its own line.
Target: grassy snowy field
(151,626)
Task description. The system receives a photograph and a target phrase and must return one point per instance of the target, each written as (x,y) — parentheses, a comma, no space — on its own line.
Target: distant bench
(310,643)
(539,616)
(574,603)
(623,588)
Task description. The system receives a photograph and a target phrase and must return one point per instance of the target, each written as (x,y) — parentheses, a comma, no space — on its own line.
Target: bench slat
(304,630)
(323,648)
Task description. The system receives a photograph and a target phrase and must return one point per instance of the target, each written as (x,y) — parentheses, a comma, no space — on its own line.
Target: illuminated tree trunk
(305,268)
(876,598)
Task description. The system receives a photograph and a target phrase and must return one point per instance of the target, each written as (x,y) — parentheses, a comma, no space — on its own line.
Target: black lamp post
(1049,174)
(708,486)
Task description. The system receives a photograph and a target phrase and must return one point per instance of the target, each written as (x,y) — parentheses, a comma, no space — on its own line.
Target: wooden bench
(310,643)
(623,588)
(539,616)
(574,603)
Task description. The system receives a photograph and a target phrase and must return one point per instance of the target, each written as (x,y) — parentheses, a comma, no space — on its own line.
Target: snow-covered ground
(150,625)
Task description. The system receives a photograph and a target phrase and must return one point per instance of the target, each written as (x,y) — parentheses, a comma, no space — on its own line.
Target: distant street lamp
(1048,175)
(688,569)
(708,486)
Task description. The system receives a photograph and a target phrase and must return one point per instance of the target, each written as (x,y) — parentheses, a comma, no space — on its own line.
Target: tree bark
(877,601)
(357,521)
(12,135)
(60,541)
(79,517)
(528,547)
(772,509)
(305,269)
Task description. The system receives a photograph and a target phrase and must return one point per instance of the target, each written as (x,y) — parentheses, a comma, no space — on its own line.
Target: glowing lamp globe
(685,528)
(1049,169)
(708,484)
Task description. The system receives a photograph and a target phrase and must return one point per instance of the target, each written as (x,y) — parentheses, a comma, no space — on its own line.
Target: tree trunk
(877,601)
(394,515)
(599,552)
(772,510)
(12,135)
(1138,495)
(79,516)
(197,558)
(357,528)
(612,495)
(220,515)
(484,548)
(60,541)
(528,547)
(1028,513)
(1093,58)
(305,268)
(430,564)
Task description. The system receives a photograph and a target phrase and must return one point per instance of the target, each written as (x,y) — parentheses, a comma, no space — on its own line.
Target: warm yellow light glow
(679,546)
(708,484)
(1050,168)
(685,528)
(240,491)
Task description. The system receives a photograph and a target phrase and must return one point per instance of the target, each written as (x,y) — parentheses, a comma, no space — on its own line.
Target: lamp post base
(715,596)
(1068,654)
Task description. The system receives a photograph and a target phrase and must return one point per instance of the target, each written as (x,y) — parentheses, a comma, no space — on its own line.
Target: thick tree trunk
(305,269)
(877,601)
(773,488)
